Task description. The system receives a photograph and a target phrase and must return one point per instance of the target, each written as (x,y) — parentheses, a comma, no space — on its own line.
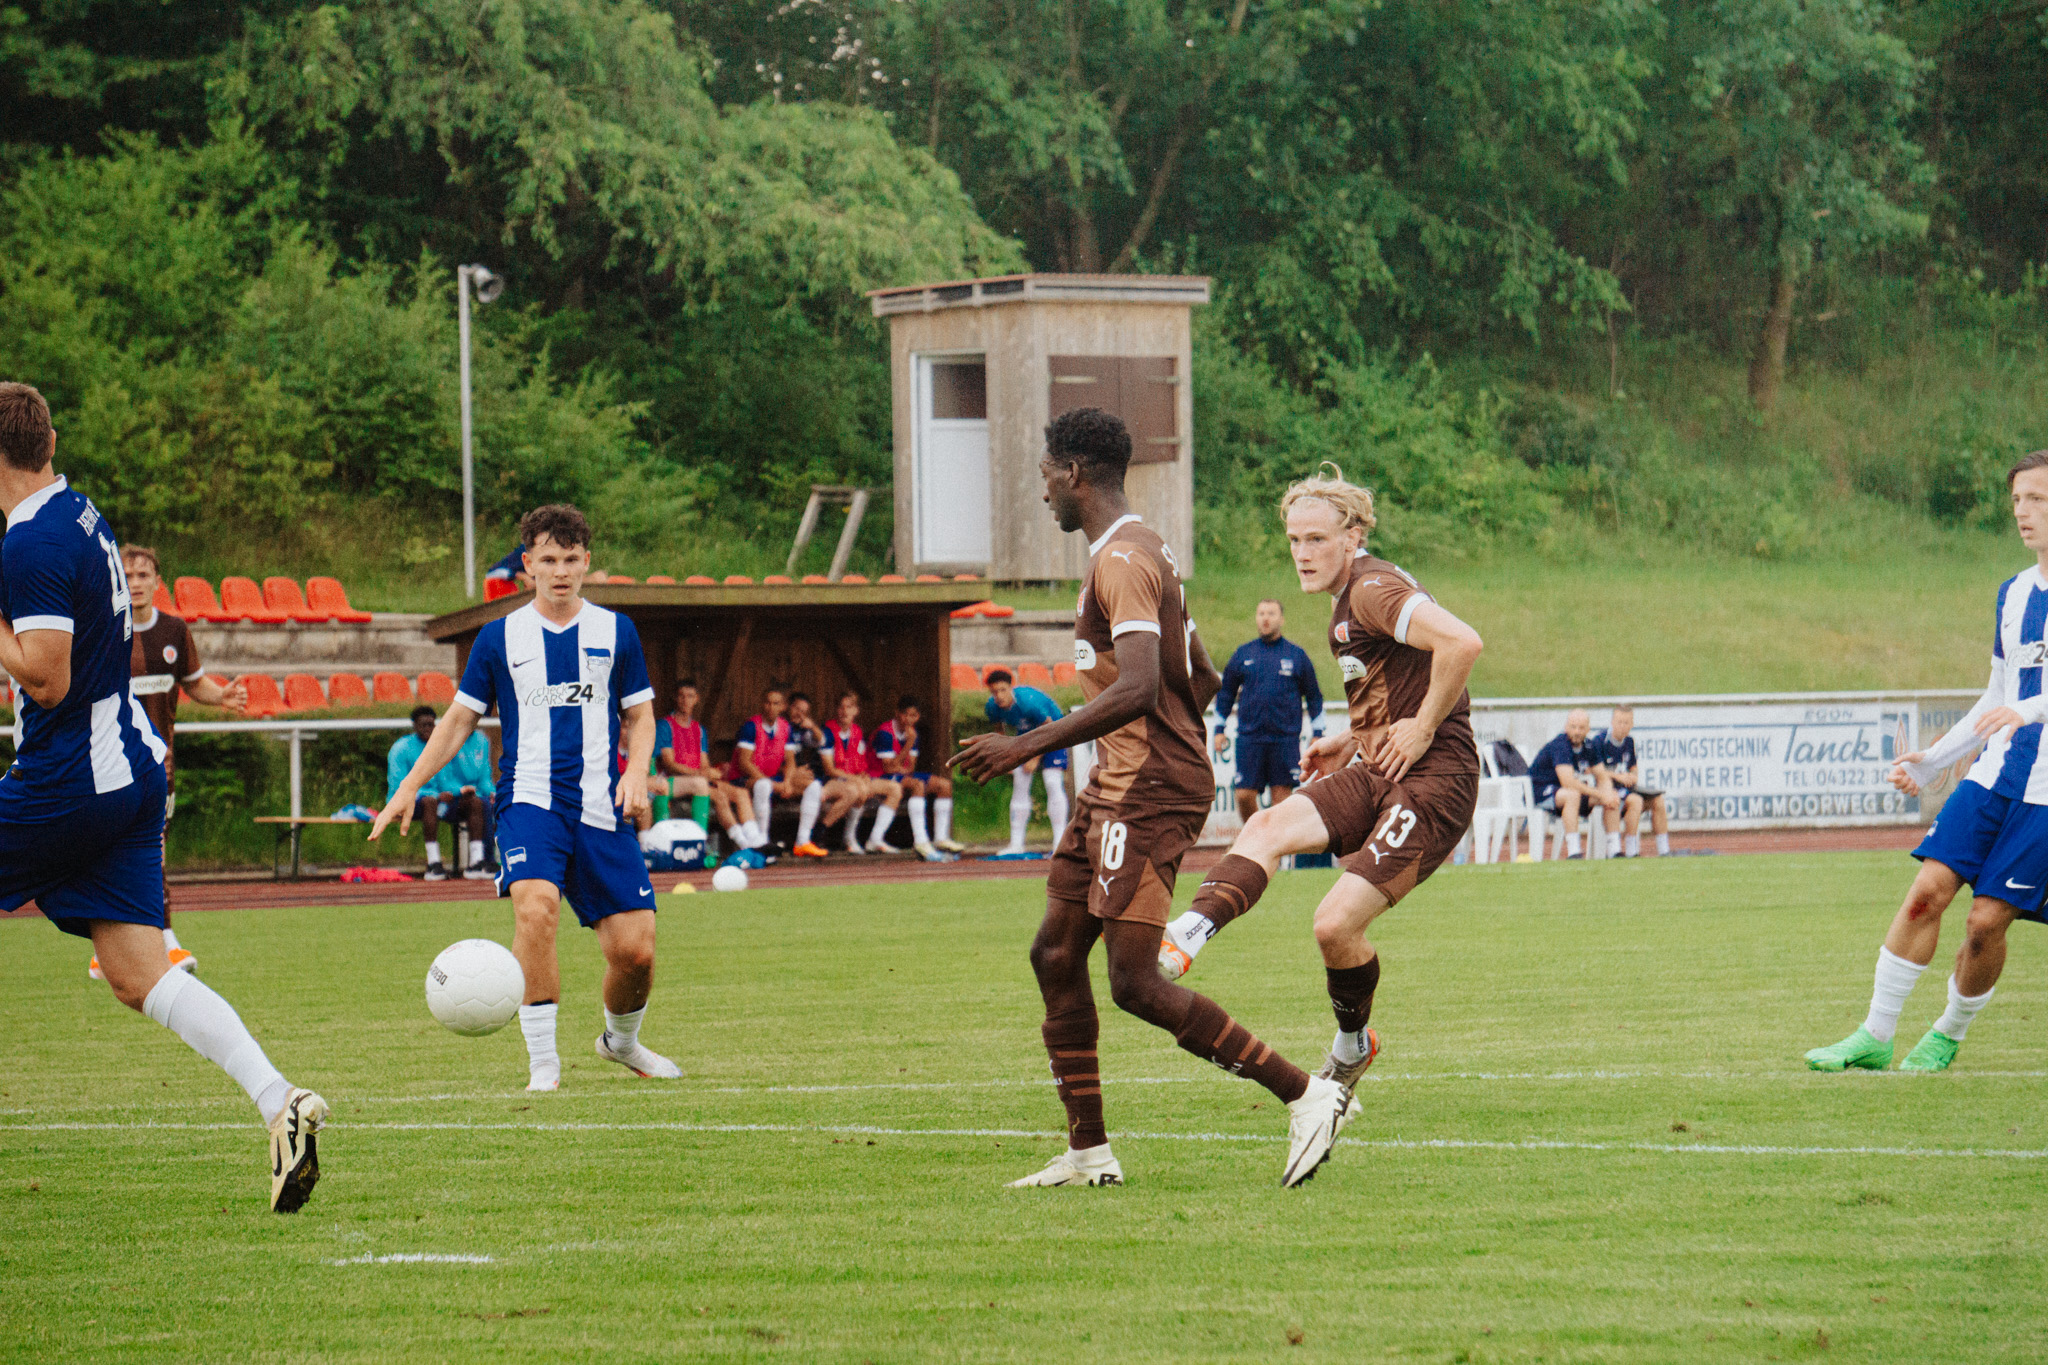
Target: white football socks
(852,830)
(884,818)
(942,817)
(624,1029)
(807,811)
(918,832)
(1348,1047)
(1056,803)
(1633,845)
(764,801)
(1895,978)
(170,941)
(1020,809)
(1190,931)
(1614,844)
(543,1064)
(1955,1020)
(1571,845)
(1663,846)
(209,1025)
(433,855)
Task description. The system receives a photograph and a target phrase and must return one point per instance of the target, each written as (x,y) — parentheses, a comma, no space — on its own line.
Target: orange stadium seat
(302,693)
(282,594)
(660,579)
(619,578)
(495,588)
(437,689)
(242,600)
(162,601)
(1034,675)
(264,698)
(853,578)
(329,598)
(996,611)
(1062,674)
(196,601)
(391,687)
(816,578)
(736,580)
(966,578)
(892,578)
(698,580)
(929,578)
(968,612)
(965,679)
(781,580)
(346,689)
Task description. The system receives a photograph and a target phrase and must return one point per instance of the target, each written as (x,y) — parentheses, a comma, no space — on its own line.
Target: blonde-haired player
(1391,794)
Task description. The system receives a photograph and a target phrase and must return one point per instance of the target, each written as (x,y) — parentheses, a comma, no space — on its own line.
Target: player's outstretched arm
(211,691)
(1454,648)
(1986,718)
(456,725)
(639,720)
(39,661)
(1133,694)
(1202,672)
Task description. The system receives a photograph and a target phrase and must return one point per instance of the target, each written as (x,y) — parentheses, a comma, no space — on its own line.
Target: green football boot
(1859,1049)
(1933,1052)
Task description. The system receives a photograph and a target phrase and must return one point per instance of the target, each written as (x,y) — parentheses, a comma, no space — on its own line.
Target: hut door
(953,523)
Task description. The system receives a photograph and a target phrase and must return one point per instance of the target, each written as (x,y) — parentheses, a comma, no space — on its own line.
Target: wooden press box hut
(978,367)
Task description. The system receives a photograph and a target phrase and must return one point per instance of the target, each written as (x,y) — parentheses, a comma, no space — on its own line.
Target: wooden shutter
(1143,390)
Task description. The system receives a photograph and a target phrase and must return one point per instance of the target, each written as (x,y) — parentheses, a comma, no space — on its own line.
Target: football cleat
(949,845)
(479,873)
(1933,1052)
(1313,1123)
(1346,1074)
(544,1077)
(435,873)
(856,850)
(294,1159)
(1174,962)
(92,969)
(639,1059)
(1075,1168)
(182,959)
(1858,1050)
(807,849)
(931,854)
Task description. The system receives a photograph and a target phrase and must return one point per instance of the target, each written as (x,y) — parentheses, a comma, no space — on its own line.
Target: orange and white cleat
(1347,1074)
(1174,960)
(809,850)
(92,969)
(183,960)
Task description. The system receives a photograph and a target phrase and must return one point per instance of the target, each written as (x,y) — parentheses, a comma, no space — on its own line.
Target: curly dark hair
(1095,440)
(557,521)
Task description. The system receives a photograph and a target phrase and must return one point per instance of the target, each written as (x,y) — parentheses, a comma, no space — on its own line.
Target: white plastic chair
(1504,802)
(1592,832)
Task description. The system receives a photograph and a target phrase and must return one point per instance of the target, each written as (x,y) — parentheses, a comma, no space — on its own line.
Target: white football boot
(294,1160)
(1093,1166)
(639,1059)
(1313,1122)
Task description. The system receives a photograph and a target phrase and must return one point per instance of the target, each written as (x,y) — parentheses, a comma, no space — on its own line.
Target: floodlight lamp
(487,285)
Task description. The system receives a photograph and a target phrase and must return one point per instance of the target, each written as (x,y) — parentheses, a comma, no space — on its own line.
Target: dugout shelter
(880,639)
(978,367)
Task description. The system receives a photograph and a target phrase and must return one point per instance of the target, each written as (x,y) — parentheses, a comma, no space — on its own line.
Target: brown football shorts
(1393,834)
(1122,859)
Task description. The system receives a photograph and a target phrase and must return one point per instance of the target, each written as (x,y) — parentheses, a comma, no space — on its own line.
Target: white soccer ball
(475,986)
(729,879)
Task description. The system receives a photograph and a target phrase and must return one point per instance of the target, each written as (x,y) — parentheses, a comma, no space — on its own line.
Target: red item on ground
(375,874)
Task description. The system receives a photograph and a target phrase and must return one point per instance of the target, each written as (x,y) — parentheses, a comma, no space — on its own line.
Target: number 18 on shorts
(1122,860)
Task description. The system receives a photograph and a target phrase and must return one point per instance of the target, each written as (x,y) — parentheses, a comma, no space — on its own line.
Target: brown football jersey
(1385,679)
(1158,760)
(162,657)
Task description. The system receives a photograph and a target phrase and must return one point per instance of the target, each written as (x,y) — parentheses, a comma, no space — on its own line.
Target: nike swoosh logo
(646,890)
(277,1159)
(2016,886)
(521,663)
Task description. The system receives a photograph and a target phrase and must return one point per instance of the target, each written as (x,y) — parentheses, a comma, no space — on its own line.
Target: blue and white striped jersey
(60,569)
(2011,763)
(559,692)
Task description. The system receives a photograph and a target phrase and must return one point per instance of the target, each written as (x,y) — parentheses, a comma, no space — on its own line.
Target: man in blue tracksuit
(1274,680)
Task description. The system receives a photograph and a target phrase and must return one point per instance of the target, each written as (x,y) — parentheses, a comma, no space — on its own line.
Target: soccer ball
(475,986)
(729,879)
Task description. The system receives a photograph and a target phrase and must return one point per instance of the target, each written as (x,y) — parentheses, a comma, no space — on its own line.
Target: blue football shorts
(1263,763)
(1998,844)
(104,859)
(1053,758)
(598,871)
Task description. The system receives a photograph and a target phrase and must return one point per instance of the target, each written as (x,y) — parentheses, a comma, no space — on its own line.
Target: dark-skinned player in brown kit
(1146,680)
(1405,799)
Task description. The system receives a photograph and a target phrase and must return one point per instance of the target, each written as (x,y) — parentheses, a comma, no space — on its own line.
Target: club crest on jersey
(170,654)
(1342,632)
(1084,655)
(596,661)
(1353,669)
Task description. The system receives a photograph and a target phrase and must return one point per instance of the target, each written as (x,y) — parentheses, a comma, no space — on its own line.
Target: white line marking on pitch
(417,1258)
(868,1130)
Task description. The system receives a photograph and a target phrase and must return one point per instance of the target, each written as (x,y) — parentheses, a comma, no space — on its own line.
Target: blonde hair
(1351,501)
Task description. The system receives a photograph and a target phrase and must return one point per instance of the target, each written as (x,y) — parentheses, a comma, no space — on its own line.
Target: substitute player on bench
(563,673)
(1393,818)
(1993,830)
(82,807)
(1146,678)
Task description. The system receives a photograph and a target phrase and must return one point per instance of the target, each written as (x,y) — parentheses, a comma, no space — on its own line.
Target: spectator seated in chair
(763,758)
(460,792)
(1567,776)
(682,754)
(855,763)
(1618,764)
(895,745)
(833,794)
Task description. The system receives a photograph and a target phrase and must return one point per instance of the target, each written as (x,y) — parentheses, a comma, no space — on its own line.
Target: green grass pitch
(1589,1138)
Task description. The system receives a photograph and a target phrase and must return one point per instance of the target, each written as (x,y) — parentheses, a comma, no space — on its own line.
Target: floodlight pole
(468,478)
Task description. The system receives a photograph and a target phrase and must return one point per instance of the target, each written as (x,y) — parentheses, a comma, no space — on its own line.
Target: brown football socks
(1232,887)
(1070,1044)
(1214,1036)
(1351,991)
